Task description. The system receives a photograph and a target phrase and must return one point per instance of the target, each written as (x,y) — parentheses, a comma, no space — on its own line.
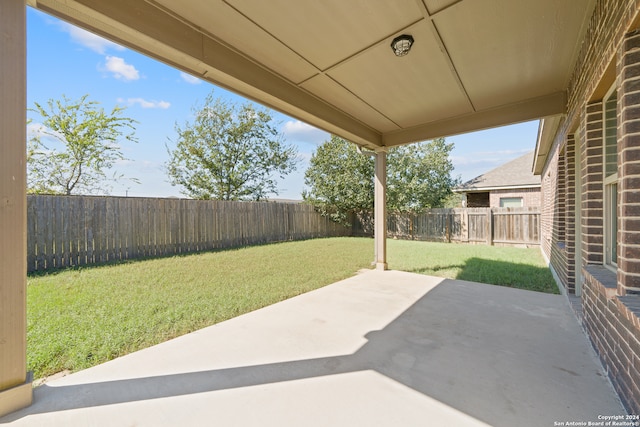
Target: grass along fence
(492,226)
(65,231)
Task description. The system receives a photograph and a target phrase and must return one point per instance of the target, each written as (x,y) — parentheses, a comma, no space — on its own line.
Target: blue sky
(65,60)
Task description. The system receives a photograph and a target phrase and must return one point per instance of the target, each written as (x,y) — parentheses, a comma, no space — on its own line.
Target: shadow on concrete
(502,356)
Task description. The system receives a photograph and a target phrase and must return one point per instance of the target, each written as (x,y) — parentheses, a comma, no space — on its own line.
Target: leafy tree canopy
(75,146)
(229,152)
(340,180)
(419,176)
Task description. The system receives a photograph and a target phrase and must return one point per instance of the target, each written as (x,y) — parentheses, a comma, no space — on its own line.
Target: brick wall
(530,197)
(558,235)
(554,213)
(629,166)
(570,212)
(613,327)
(592,194)
(610,21)
(610,53)
(548,195)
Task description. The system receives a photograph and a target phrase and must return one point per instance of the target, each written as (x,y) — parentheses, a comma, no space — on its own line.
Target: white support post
(15,386)
(380,209)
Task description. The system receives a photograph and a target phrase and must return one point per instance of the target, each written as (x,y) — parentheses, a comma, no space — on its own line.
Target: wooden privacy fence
(492,226)
(502,226)
(64,231)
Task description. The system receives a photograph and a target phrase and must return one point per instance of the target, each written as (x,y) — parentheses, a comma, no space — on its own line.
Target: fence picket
(504,226)
(68,231)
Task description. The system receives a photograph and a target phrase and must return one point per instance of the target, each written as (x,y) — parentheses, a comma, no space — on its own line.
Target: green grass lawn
(82,317)
(505,266)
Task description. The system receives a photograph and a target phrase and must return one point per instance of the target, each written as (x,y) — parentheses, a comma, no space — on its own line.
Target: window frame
(609,189)
(513,199)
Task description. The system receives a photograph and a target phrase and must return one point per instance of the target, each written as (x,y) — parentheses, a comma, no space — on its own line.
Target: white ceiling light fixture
(401,45)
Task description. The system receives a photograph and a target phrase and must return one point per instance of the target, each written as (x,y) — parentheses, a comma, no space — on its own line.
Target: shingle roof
(516,173)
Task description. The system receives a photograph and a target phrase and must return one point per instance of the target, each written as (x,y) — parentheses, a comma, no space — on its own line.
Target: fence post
(465,225)
(490,226)
(413,221)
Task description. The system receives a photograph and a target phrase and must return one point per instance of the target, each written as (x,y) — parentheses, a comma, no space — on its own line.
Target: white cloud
(190,79)
(120,69)
(304,157)
(46,135)
(36,130)
(302,132)
(146,103)
(89,40)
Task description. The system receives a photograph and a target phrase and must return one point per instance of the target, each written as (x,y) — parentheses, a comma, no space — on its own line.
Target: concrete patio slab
(383,348)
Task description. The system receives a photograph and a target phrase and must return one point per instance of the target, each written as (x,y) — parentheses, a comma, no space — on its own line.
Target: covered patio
(381,348)
(473,65)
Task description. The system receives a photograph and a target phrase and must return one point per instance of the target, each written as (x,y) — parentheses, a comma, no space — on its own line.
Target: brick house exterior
(512,184)
(589,163)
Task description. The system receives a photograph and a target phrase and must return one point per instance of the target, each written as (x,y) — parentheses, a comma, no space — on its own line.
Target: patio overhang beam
(531,109)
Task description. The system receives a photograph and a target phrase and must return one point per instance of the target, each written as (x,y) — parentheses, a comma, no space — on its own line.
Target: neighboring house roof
(515,174)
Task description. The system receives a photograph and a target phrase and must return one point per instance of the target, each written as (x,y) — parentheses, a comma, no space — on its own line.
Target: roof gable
(514,174)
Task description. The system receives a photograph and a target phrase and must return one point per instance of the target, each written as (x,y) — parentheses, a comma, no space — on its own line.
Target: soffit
(475,63)
(524,43)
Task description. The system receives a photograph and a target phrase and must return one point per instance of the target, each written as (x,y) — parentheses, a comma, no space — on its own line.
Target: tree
(229,152)
(340,179)
(453,201)
(75,147)
(419,176)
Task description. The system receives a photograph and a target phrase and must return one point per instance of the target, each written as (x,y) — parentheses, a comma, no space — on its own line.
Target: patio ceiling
(474,64)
